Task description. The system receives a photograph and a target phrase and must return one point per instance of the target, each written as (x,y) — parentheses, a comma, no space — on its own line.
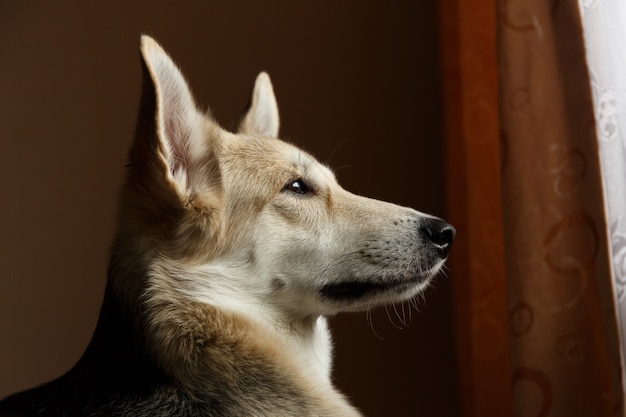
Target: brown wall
(357,85)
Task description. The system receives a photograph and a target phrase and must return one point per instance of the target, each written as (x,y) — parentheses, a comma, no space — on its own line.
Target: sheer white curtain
(604,25)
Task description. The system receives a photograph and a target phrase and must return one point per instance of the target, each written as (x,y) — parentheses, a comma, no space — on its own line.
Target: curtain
(535,311)
(604,25)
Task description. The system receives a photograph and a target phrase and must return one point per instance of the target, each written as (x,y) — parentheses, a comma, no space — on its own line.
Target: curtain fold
(564,359)
(525,188)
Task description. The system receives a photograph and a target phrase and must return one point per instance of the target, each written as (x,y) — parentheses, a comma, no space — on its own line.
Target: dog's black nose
(440,233)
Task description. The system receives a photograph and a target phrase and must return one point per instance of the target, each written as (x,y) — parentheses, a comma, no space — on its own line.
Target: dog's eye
(298,186)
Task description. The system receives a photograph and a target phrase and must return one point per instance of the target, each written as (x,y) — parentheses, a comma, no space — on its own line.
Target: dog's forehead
(268,154)
(306,165)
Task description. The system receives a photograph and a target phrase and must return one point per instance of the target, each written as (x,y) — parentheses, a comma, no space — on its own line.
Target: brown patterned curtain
(536,330)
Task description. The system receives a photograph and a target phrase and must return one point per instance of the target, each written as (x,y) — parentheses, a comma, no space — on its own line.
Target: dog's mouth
(357,290)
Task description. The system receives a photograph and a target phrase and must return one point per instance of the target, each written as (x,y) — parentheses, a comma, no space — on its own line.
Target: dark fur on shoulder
(116,378)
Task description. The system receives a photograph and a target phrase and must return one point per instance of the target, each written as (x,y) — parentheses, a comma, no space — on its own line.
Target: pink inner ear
(177,137)
(177,112)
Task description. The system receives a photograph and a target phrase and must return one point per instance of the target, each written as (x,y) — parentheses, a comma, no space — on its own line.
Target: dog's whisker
(398,315)
(370,321)
(336,148)
(404,315)
(393,323)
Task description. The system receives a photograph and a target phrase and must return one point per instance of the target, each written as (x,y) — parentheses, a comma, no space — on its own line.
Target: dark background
(357,84)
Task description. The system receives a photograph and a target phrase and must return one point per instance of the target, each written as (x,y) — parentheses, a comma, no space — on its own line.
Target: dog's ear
(261,118)
(168,138)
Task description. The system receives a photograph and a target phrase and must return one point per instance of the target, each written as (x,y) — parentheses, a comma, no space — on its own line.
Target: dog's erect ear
(167,142)
(261,118)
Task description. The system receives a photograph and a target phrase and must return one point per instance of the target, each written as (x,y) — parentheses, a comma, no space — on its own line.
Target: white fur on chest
(306,340)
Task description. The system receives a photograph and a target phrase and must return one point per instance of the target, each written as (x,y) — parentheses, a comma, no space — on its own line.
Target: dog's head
(244,218)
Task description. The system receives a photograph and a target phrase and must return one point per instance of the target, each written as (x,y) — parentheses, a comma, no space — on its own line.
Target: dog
(230,252)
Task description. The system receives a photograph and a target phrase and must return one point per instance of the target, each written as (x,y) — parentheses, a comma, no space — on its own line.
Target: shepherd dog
(231,250)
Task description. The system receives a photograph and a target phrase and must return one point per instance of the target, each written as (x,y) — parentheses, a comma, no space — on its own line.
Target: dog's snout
(440,233)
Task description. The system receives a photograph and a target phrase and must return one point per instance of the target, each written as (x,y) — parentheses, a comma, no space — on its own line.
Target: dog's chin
(365,293)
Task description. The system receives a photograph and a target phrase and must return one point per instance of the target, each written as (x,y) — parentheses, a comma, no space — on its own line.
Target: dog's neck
(310,340)
(306,338)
